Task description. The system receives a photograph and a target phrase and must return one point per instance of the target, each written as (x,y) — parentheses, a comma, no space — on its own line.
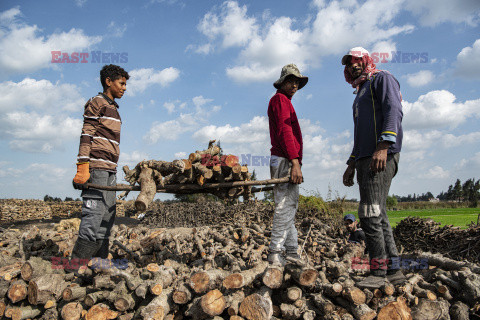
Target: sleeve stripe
(389,132)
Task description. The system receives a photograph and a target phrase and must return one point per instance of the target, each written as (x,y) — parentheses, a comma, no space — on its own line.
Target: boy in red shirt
(285,160)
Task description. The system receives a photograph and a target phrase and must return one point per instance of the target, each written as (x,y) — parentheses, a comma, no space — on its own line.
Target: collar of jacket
(108,99)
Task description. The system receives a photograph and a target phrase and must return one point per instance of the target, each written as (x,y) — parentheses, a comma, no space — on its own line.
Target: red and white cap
(355,52)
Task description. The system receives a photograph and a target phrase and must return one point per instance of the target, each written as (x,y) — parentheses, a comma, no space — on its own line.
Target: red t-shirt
(285,133)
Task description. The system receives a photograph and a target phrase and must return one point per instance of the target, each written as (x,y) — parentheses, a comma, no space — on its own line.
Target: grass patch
(459,217)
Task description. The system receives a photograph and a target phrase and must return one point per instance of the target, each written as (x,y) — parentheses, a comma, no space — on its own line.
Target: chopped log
(233,302)
(237,172)
(257,306)
(35,267)
(354,295)
(213,303)
(363,312)
(27,312)
(203,281)
(74,292)
(10,271)
(430,310)
(142,290)
(323,304)
(212,150)
(101,312)
(436,259)
(273,277)
(444,292)
(17,291)
(159,307)
(333,290)
(388,289)
(368,295)
(96,297)
(459,311)
(360,312)
(166,168)
(294,293)
(46,287)
(103,282)
(181,294)
(246,277)
(72,311)
(3,306)
(290,312)
(470,283)
(304,276)
(4,286)
(217,173)
(422,293)
(147,189)
(131,175)
(396,310)
(228,161)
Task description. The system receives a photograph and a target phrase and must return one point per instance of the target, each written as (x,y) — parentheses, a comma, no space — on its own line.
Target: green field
(459,217)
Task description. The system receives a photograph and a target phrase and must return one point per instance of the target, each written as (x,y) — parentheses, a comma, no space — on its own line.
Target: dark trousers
(98,208)
(372,211)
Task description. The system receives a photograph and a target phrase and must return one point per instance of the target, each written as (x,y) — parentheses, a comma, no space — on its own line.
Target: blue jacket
(377,116)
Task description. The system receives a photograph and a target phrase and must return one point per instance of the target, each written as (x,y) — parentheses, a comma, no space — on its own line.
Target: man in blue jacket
(377,117)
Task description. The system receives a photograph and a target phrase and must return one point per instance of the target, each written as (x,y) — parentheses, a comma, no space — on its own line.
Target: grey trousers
(372,211)
(284,234)
(98,208)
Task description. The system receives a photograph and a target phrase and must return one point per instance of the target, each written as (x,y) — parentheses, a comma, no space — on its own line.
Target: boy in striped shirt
(97,163)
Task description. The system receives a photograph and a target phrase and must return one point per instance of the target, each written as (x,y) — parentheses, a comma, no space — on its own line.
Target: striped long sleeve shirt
(100,139)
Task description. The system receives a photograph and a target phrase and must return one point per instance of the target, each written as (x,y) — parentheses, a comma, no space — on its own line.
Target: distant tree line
(48,198)
(469,191)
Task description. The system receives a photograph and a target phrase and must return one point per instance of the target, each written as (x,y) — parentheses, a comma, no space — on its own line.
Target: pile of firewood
(416,233)
(221,273)
(201,167)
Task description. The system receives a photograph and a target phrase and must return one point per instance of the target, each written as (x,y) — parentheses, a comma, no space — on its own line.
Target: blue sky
(204,70)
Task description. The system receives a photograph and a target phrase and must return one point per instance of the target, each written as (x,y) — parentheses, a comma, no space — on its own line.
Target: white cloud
(254,131)
(231,23)
(438,109)
(132,158)
(185,122)
(31,132)
(170,106)
(116,31)
(180,155)
(381,52)
(420,78)
(39,94)
(468,61)
(168,130)
(141,79)
(23,49)
(433,12)
(200,101)
(33,114)
(271,43)
(80,3)
(436,172)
